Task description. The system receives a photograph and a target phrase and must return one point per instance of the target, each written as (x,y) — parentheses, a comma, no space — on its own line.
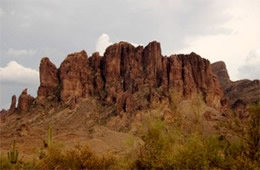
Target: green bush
(170,147)
(78,158)
(244,150)
(6,165)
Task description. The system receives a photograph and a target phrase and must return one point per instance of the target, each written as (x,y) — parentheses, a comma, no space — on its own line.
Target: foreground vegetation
(176,145)
(235,146)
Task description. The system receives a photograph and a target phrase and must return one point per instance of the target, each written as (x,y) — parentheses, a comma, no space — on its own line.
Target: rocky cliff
(239,92)
(126,76)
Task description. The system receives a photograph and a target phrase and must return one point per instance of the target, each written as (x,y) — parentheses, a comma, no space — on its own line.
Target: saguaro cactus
(13,154)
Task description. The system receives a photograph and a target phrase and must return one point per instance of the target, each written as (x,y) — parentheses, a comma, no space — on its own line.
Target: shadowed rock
(13,104)
(49,82)
(24,102)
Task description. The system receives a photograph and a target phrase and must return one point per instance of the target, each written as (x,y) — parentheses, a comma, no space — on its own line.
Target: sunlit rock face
(128,77)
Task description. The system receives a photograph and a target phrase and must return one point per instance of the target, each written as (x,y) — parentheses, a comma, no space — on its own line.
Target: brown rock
(75,76)
(190,74)
(98,82)
(240,108)
(152,63)
(13,104)
(3,113)
(125,102)
(241,91)
(219,68)
(24,102)
(49,82)
(131,77)
(122,69)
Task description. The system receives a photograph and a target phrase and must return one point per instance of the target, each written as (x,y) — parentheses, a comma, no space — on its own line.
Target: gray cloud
(55,28)
(20,52)
(251,67)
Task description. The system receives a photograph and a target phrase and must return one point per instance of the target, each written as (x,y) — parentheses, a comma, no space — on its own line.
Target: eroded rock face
(191,74)
(246,90)
(129,70)
(220,69)
(241,91)
(13,104)
(24,102)
(49,81)
(130,77)
(75,76)
(97,80)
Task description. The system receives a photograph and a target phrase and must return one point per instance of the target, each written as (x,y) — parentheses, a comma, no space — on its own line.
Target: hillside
(103,101)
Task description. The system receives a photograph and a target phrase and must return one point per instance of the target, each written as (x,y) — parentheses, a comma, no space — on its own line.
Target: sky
(227,30)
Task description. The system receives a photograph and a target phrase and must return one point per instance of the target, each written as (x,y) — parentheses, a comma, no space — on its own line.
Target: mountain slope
(241,91)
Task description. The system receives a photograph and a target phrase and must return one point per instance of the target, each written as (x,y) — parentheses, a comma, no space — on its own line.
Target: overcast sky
(227,30)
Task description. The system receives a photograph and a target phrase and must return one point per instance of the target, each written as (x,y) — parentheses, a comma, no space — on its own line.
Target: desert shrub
(79,158)
(6,165)
(201,153)
(244,150)
(175,99)
(170,147)
(154,152)
(197,107)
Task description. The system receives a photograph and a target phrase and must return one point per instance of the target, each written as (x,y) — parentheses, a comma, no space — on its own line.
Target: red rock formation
(152,63)
(131,69)
(75,76)
(220,69)
(129,77)
(241,91)
(3,113)
(13,104)
(49,82)
(24,102)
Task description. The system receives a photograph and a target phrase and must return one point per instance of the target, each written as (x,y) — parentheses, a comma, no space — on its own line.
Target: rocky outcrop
(220,69)
(192,74)
(75,77)
(131,78)
(49,80)
(13,104)
(237,92)
(3,113)
(24,102)
(246,90)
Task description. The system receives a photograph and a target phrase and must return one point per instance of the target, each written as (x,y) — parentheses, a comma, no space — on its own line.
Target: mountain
(102,101)
(237,92)
(129,78)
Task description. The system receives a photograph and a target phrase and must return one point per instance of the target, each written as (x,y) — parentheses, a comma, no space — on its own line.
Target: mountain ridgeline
(241,92)
(131,78)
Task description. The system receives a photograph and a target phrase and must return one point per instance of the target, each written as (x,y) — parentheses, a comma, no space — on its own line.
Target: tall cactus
(49,136)
(13,154)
